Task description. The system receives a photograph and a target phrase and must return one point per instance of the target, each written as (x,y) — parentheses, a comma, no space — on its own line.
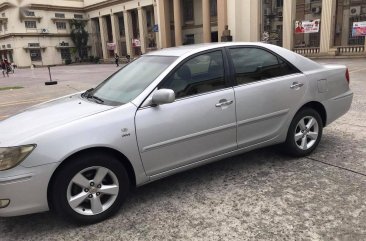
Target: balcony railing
(307,51)
(350,50)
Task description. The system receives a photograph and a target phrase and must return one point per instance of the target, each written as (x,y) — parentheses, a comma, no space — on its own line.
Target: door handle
(224,102)
(296,85)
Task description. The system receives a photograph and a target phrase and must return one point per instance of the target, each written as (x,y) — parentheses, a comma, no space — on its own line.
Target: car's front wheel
(89,188)
(304,133)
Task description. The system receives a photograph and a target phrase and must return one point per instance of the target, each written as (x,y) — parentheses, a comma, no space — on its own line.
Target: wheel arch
(122,158)
(319,107)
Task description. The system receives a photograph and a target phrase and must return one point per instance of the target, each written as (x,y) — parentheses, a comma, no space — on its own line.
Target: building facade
(38,32)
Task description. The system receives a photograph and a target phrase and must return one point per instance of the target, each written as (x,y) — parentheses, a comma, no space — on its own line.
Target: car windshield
(130,81)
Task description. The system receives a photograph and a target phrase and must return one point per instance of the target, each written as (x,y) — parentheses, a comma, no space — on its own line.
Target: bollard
(51,82)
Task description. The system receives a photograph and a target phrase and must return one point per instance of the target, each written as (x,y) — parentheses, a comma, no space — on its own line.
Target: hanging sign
(307,26)
(359,29)
(111,46)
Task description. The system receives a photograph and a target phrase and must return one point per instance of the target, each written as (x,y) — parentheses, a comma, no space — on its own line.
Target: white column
(156,21)
(289,15)
(221,17)
(128,32)
(164,23)
(177,22)
(326,31)
(206,19)
(143,28)
(115,32)
(103,35)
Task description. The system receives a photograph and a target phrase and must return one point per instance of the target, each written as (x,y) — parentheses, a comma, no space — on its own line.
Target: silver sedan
(166,112)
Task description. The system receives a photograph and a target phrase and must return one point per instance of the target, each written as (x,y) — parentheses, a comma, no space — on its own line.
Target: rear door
(268,90)
(200,123)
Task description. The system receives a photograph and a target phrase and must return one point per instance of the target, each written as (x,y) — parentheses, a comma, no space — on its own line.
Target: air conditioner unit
(316,10)
(44,30)
(355,11)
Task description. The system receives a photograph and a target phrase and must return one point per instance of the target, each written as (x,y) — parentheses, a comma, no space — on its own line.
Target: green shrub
(97,60)
(68,61)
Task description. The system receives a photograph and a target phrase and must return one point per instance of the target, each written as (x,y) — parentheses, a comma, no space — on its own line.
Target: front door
(201,122)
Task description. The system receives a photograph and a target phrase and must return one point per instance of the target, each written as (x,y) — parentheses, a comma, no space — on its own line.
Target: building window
(279,3)
(59,15)
(33,45)
(189,39)
(78,16)
(65,54)
(35,55)
(3,15)
(213,8)
(30,24)
(8,46)
(61,25)
(5,26)
(1,27)
(29,13)
(272,22)
(188,11)
(307,24)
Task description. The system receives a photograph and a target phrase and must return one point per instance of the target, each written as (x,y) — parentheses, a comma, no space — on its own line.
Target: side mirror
(163,96)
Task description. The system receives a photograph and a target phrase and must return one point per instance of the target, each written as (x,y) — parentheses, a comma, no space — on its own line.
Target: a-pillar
(206,19)
(103,35)
(289,15)
(221,17)
(178,22)
(128,31)
(164,23)
(115,32)
(326,30)
(143,28)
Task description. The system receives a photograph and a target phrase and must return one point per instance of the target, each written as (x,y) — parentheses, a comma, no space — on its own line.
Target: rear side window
(253,64)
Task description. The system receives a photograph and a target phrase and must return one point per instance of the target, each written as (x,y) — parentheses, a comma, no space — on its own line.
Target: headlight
(12,156)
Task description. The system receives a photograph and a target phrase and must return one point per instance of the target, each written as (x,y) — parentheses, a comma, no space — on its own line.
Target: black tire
(290,146)
(59,189)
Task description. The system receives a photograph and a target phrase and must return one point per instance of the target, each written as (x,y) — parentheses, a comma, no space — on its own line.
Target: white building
(41,34)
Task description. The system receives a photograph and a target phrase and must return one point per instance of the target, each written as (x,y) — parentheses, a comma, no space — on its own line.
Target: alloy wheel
(306,132)
(92,190)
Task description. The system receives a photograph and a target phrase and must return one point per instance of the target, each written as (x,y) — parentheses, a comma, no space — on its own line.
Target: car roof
(302,63)
(185,49)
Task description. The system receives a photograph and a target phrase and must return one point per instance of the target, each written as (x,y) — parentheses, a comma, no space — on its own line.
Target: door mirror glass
(163,96)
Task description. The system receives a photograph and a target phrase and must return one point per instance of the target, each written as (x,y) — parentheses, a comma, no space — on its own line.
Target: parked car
(166,112)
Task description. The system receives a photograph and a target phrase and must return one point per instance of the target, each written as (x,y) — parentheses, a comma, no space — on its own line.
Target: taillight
(347,75)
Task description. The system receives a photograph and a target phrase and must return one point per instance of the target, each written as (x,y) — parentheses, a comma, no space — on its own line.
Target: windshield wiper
(88,94)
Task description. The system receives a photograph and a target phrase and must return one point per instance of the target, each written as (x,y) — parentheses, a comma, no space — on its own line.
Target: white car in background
(166,112)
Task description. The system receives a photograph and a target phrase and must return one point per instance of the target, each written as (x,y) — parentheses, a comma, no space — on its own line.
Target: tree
(79,36)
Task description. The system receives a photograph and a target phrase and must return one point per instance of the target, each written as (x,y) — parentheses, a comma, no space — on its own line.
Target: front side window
(30,24)
(198,75)
(130,81)
(253,64)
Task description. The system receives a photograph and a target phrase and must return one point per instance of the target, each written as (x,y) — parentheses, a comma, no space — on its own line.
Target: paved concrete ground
(261,195)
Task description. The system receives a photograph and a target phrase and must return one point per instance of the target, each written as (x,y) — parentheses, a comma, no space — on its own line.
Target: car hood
(45,116)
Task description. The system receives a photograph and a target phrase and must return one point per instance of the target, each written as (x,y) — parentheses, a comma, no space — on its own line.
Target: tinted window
(252,64)
(200,74)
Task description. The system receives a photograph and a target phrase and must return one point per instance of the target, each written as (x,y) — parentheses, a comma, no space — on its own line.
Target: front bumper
(26,188)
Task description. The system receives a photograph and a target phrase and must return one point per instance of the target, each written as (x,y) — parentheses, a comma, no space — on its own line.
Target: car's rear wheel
(304,133)
(90,188)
